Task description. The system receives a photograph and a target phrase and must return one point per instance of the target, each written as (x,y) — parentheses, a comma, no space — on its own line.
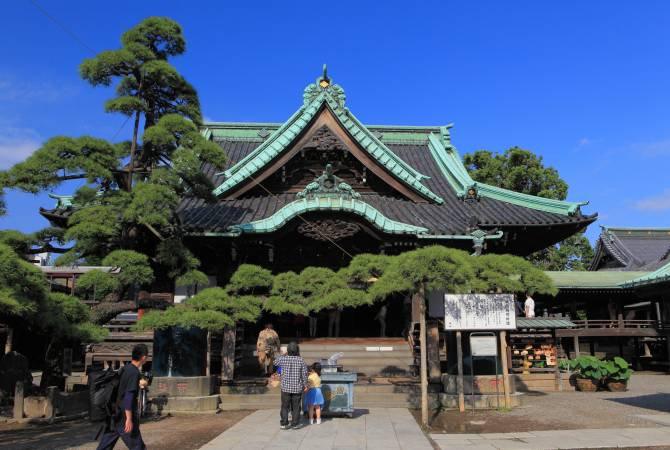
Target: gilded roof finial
(324,81)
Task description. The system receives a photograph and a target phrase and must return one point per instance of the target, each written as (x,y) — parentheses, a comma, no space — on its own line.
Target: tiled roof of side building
(660,275)
(632,248)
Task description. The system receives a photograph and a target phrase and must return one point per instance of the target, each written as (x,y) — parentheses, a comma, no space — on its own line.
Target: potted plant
(618,374)
(589,372)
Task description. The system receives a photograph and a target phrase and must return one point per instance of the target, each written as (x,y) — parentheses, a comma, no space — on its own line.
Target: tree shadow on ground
(61,435)
(657,402)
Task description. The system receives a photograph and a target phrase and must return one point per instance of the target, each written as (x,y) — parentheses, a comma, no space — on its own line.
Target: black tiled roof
(452,217)
(632,249)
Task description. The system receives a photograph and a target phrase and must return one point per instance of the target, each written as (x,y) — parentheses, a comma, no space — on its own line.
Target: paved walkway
(377,428)
(557,439)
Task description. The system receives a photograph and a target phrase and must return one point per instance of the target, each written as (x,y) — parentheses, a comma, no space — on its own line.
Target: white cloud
(584,141)
(656,203)
(656,148)
(16,144)
(29,91)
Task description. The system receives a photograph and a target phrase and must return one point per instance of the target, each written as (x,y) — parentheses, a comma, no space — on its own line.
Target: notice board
(479,312)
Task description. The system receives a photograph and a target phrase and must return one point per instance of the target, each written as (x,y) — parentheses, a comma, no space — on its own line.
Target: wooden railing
(621,323)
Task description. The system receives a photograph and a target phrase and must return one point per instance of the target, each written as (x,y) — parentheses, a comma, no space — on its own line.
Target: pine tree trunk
(10,340)
(133,147)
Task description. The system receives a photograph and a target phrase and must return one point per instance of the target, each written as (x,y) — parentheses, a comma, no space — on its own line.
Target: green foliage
(20,242)
(148,84)
(62,158)
(523,171)
(516,169)
(441,268)
(191,278)
(135,268)
(573,253)
(152,204)
(25,301)
(286,295)
(96,285)
(210,309)
(365,267)
(588,366)
(618,369)
(22,286)
(250,279)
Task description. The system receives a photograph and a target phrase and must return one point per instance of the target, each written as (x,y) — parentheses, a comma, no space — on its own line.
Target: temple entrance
(359,322)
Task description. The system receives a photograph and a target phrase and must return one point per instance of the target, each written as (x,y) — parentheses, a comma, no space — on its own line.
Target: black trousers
(292,401)
(133,440)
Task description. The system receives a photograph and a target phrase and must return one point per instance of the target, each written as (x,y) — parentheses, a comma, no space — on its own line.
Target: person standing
(529,306)
(267,347)
(293,383)
(126,422)
(314,397)
(381,318)
(334,316)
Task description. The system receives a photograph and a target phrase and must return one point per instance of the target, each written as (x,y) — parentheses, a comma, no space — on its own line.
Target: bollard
(18,400)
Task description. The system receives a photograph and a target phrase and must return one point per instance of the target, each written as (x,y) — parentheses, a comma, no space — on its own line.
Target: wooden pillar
(433,349)
(459,379)
(424,363)
(576,344)
(557,373)
(228,354)
(18,400)
(592,346)
(208,366)
(505,368)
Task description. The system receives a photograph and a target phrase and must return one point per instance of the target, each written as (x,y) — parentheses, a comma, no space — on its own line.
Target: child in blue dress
(314,396)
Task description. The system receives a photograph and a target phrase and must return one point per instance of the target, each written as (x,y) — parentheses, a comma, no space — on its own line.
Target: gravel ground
(168,433)
(648,393)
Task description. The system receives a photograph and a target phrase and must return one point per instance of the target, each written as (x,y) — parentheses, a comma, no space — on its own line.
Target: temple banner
(479,312)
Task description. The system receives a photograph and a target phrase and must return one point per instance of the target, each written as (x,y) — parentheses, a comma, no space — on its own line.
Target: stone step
(165,405)
(355,354)
(361,388)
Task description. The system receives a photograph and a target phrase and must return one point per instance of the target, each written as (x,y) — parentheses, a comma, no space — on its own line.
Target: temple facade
(323,187)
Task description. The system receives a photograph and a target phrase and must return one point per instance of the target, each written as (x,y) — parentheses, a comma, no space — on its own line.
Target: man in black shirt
(126,424)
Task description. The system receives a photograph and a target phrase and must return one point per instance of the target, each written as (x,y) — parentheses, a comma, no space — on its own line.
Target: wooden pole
(576,342)
(505,369)
(459,380)
(424,363)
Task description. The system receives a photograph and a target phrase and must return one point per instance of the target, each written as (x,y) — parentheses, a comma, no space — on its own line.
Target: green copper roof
(603,279)
(317,96)
(62,201)
(657,276)
(454,171)
(350,205)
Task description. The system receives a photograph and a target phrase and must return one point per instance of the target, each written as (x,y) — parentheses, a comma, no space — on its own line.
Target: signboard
(483,345)
(479,312)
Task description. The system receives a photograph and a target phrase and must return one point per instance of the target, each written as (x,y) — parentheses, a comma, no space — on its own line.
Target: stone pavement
(557,439)
(376,428)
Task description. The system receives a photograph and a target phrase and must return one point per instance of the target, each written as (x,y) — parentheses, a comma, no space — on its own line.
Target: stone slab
(376,428)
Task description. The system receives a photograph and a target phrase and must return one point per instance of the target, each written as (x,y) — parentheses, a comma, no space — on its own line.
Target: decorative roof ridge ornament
(328,185)
(324,85)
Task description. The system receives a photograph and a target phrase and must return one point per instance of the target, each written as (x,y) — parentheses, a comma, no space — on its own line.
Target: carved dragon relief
(328,185)
(328,229)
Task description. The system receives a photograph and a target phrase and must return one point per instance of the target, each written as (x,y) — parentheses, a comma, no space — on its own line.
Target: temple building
(322,187)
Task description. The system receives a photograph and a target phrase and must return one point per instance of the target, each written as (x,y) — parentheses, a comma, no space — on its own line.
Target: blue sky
(584,84)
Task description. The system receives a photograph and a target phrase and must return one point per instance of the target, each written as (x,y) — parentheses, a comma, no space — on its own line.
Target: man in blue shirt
(126,424)
(293,384)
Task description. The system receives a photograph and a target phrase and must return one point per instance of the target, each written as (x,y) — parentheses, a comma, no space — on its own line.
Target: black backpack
(103,388)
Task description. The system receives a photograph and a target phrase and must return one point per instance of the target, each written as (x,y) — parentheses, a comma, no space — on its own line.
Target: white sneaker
(311,421)
(318,421)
